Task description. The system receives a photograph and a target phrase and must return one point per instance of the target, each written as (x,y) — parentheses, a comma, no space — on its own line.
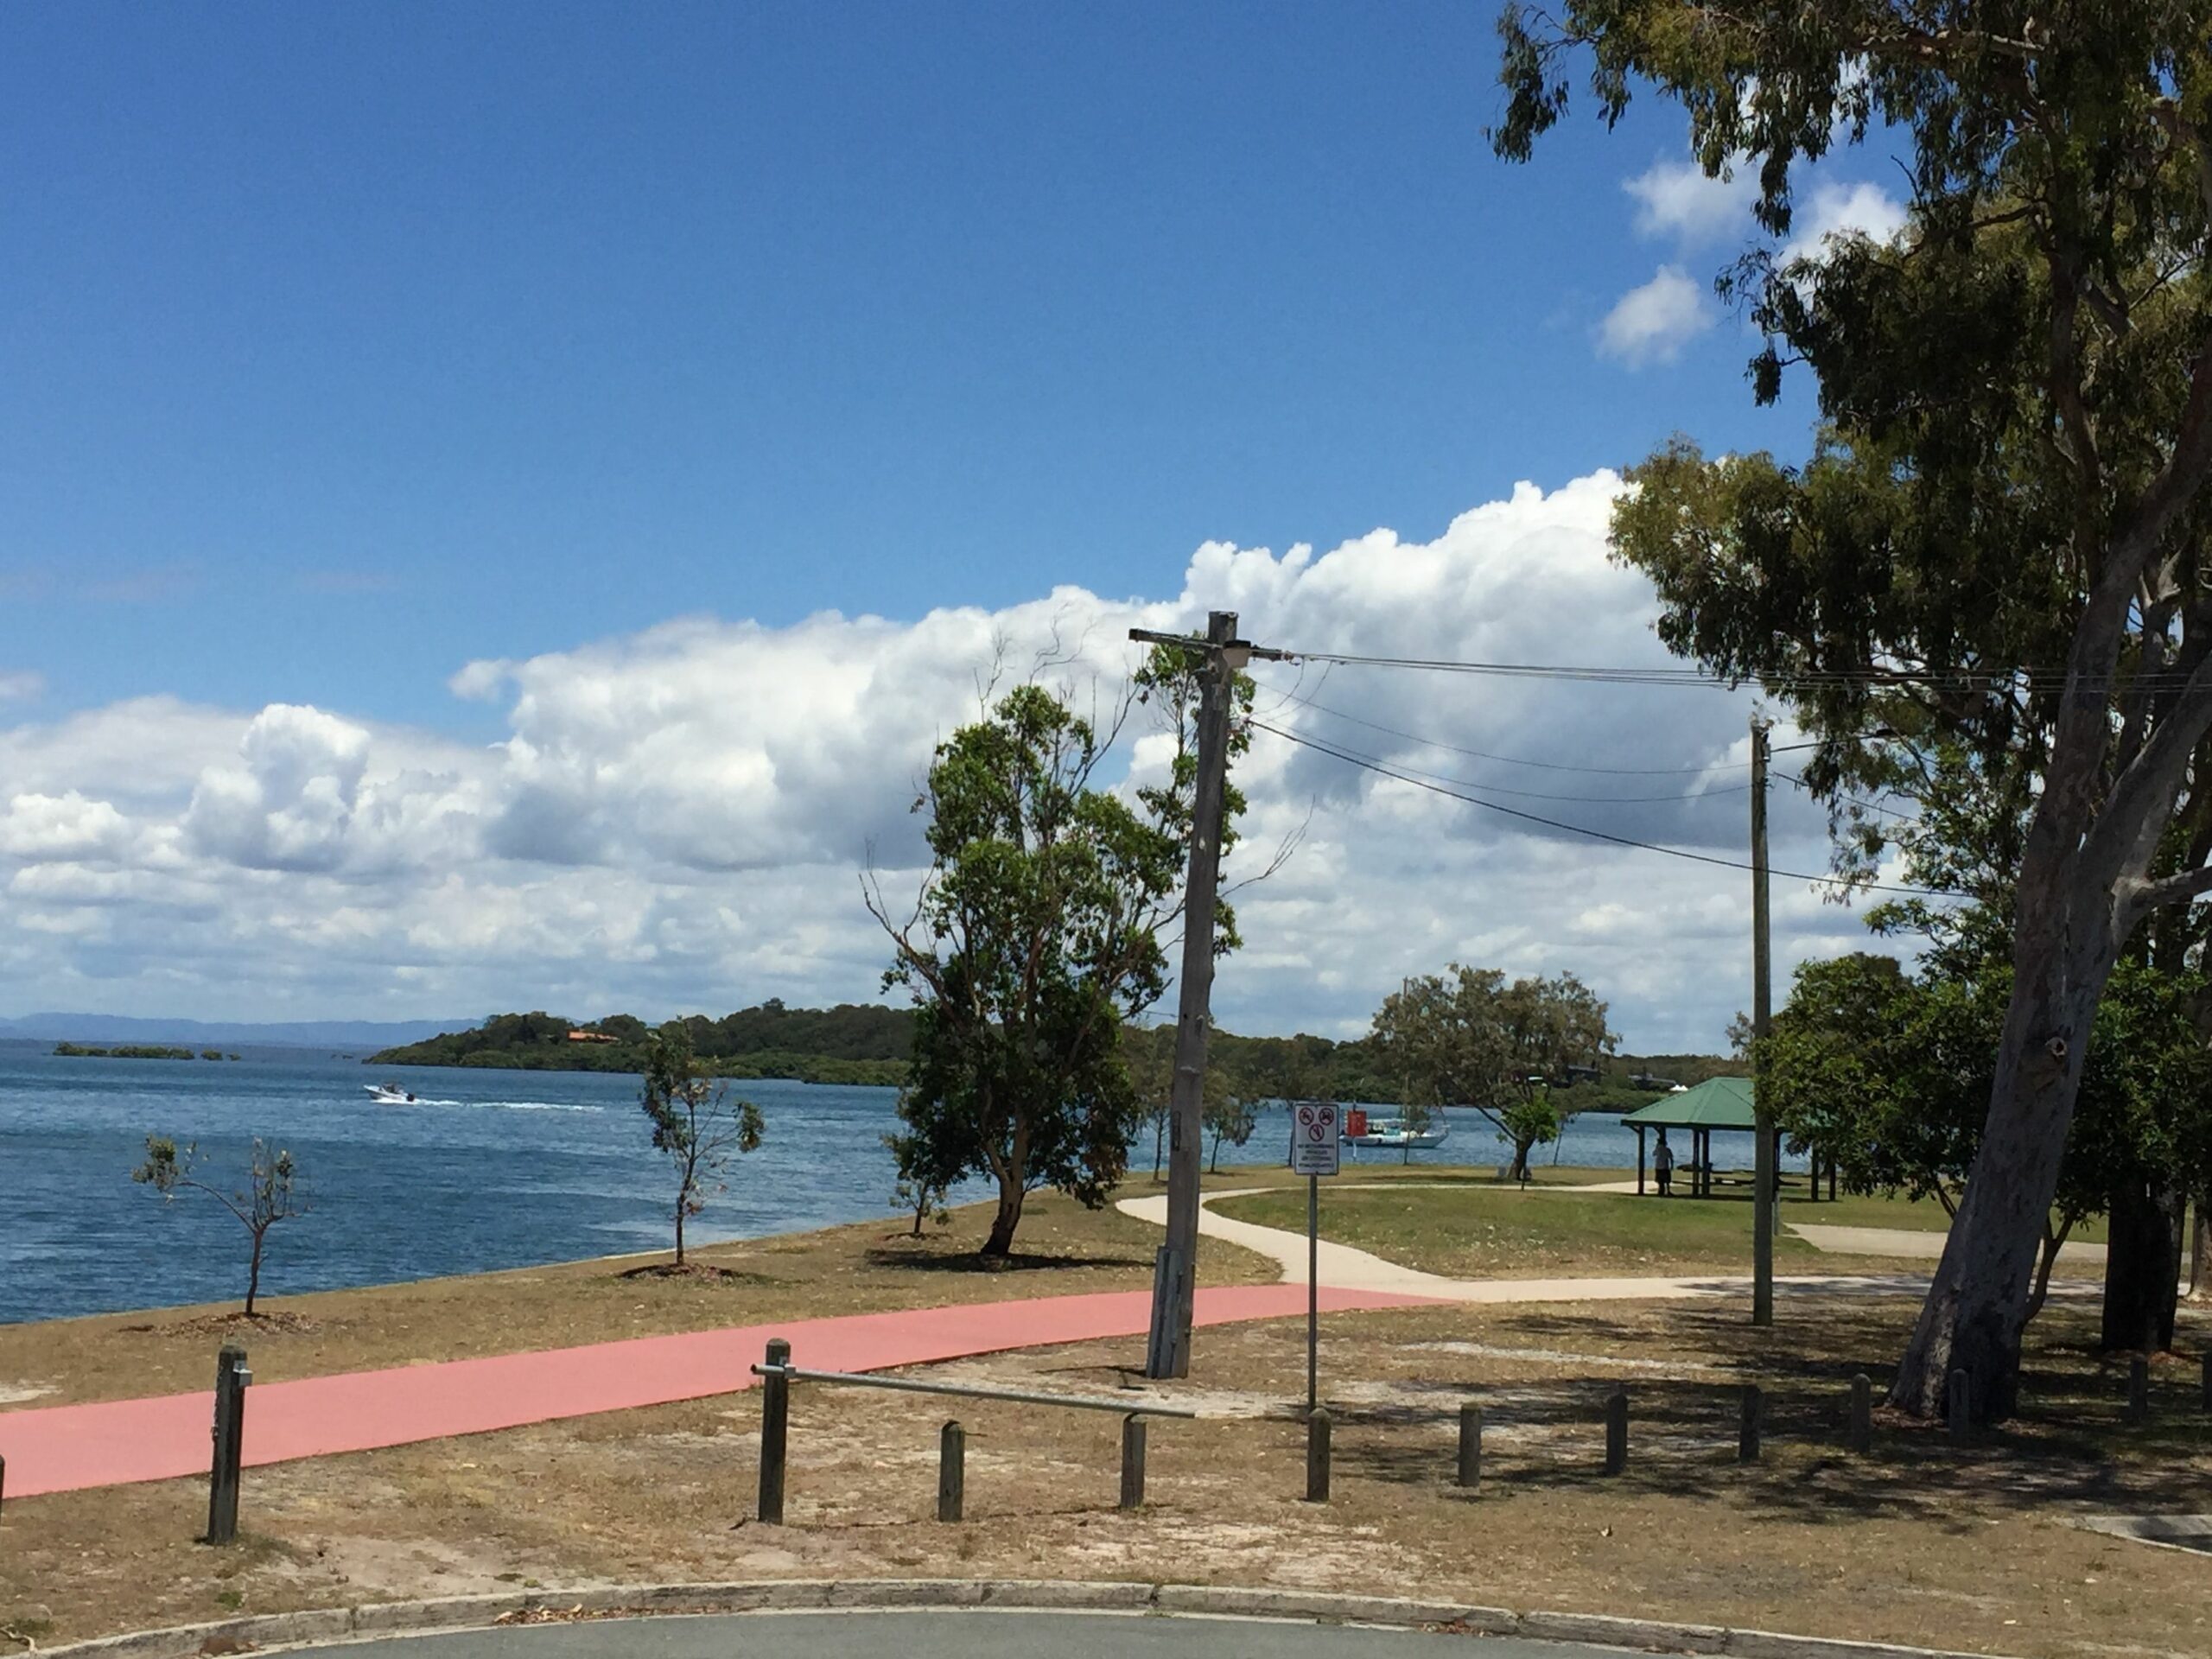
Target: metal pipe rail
(1017,1396)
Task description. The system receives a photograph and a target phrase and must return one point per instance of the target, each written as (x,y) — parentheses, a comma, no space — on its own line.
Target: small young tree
(695,1120)
(269,1197)
(1228,1117)
(924,1179)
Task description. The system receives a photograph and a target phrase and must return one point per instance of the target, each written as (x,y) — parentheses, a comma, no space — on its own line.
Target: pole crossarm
(1237,652)
(1016,1396)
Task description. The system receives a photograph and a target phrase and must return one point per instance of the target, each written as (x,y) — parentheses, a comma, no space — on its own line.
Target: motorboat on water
(389,1094)
(1389,1134)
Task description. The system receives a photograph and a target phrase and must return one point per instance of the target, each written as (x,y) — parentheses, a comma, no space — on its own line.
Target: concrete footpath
(113,1443)
(1341,1268)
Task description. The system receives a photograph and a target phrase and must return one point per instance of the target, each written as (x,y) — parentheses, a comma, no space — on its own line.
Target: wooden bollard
(3,1483)
(951,1470)
(1958,1403)
(230,1379)
(1862,1414)
(1749,1423)
(1317,1456)
(2138,1389)
(775,1429)
(1471,1445)
(1617,1431)
(1133,1439)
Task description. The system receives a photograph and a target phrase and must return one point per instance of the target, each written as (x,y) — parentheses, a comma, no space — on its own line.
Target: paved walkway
(1910,1243)
(67,1448)
(1342,1268)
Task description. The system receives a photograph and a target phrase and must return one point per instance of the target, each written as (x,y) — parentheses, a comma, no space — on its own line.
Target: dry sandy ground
(1917,1544)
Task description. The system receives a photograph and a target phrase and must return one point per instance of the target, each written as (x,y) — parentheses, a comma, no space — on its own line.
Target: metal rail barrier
(776,1374)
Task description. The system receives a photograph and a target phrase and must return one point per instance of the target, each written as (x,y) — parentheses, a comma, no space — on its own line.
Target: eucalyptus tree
(1036,936)
(1997,543)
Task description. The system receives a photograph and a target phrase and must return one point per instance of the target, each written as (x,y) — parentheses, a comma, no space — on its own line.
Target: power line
(1587,800)
(1511,759)
(1368,763)
(1950,678)
(1867,806)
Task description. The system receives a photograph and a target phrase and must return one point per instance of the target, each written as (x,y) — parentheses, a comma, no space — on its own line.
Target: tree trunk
(1977,1304)
(2200,1247)
(1521,1159)
(1158,1143)
(2142,1266)
(679,1231)
(253,1273)
(1010,1193)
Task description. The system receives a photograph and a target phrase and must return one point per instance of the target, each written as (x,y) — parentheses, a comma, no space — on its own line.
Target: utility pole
(1175,1269)
(1762,1159)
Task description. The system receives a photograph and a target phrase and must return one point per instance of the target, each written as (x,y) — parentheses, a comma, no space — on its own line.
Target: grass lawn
(1501,1232)
(1474,1230)
(858,1269)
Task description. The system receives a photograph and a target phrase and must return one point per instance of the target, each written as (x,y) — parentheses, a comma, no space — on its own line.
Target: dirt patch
(1918,1544)
(707,1272)
(260,1322)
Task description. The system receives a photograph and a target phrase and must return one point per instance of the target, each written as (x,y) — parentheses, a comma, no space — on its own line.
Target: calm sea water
(492,1169)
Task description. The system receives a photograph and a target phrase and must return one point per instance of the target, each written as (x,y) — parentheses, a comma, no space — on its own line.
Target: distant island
(868,1044)
(852,1043)
(137,1052)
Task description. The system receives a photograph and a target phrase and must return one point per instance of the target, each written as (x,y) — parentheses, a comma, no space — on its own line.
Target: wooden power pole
(1764,1172)
(1175,1270)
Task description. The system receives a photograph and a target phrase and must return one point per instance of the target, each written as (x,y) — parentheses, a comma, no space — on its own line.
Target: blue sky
(347,344)
(349,347)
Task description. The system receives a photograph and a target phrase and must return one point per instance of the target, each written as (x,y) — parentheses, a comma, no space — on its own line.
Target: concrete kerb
(342,1625)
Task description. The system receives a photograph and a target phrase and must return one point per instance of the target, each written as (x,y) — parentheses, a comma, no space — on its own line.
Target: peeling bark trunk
(253,1274)
(1010,1193)
(2200,1249)
(1978,1303)
(2142,1266)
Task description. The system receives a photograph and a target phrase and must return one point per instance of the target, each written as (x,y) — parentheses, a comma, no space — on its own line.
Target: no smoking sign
(1314,1147)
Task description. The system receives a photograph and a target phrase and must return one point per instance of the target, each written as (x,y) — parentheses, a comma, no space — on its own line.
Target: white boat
(389,1094)
(1391,1134)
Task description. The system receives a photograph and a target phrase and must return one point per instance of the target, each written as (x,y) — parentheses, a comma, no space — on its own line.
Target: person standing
(1662,1162)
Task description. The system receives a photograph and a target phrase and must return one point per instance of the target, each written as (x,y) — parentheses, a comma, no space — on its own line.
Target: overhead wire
(1381,768)
(1507,759)
(1949,678)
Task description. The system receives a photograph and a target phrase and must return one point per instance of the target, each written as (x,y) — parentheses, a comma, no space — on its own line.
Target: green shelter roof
(1716,1104)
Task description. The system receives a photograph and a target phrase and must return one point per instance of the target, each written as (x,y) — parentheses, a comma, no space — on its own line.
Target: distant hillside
(857,1043)
(201,1033)
(866,1043)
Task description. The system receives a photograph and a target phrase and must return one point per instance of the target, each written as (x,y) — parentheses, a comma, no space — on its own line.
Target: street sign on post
(1313,1153)
(1313,1145)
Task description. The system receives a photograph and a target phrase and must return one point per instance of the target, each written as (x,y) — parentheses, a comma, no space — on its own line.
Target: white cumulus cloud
(680,819)
(1678,199)
(1652,323)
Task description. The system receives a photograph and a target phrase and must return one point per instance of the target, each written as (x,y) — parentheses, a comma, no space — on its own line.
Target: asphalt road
(956,1634)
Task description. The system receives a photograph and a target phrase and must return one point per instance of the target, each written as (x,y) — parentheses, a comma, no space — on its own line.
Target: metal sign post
(1315,1152)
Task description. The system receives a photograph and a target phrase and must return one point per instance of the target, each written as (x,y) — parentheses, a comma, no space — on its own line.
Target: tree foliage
(269,1195)
(1467,1038)
(1995,550)
(1035,936)
(697,1122)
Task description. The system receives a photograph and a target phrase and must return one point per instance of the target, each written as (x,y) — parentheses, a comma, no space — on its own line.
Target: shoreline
(717,1250)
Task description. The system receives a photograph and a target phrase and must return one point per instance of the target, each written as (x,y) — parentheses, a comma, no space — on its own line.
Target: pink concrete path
(69,1448)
